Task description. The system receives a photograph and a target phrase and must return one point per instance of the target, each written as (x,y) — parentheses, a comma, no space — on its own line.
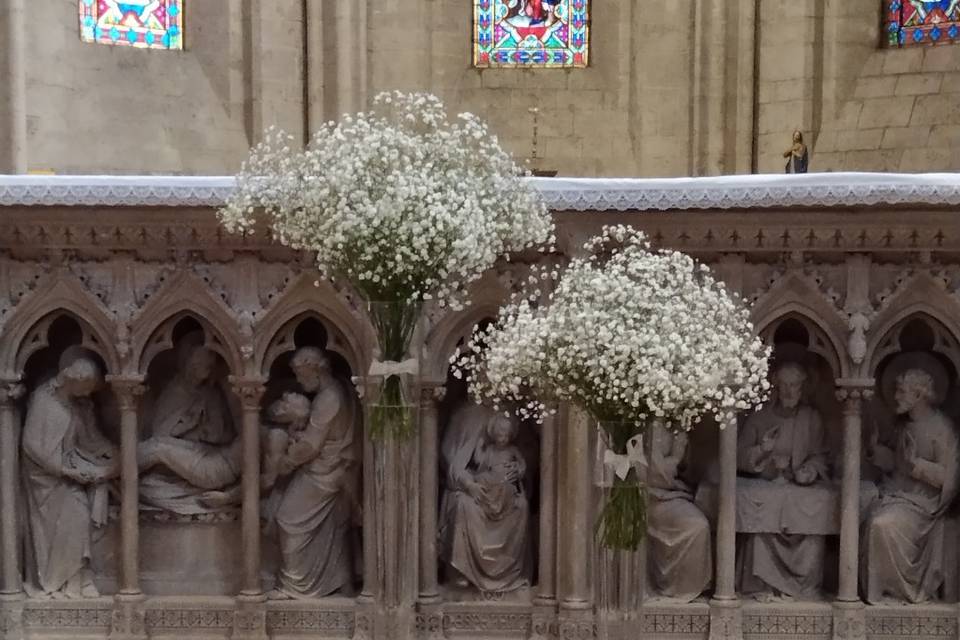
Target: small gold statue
(797,154)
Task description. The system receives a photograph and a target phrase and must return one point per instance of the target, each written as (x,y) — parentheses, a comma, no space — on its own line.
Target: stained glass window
(913,22)
(151,24)
(531,33)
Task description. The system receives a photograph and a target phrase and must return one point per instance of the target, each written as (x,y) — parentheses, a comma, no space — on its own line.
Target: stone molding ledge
(341,618)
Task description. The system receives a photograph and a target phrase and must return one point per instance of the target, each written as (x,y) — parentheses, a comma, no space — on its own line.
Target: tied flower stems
(623,520)
(394,322)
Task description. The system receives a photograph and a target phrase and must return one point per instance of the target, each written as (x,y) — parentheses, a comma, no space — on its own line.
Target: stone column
(575,536)
(250,621)
(849,612)
(545,599)
(725,615)
(128,616)
(15,107)
(429,591)
(10,392)
(11,581)
(547,584)
(429,616)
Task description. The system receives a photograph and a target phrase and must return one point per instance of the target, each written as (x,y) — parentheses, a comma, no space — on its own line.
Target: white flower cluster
(630,334)
(400,200)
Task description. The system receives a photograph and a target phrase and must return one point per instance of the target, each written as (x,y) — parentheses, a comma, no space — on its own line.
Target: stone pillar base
(726,620)
(577,624)
(250,618)
(11,616)
(127,621)
(849,621)
(363,621)
(429,623)
(543,621)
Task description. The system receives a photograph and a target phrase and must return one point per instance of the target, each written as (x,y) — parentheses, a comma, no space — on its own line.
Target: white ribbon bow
(393,368)
(621,463)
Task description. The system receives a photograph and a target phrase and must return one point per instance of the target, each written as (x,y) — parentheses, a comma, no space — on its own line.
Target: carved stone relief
(485,503)
(914,455)
(67,467)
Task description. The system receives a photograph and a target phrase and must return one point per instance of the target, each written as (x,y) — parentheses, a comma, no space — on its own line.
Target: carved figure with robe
(903,538)
(783,443)
(191,420)
(484,514)
(680,558)
(67,464)
(317,485)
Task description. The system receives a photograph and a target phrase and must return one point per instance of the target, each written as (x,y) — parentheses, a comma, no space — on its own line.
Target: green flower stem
(394,322)
(623,520)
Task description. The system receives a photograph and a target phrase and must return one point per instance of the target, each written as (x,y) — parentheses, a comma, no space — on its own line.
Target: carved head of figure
(198,365)
(292,409)
(788,381)
(915,388)
(501,430)
(80,378)
(798,137)
(311,367)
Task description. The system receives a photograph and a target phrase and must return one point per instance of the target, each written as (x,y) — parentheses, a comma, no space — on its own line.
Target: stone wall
(670,90)
(868,108)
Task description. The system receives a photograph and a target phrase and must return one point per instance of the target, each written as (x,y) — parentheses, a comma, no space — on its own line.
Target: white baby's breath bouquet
(632,335)
(407,204)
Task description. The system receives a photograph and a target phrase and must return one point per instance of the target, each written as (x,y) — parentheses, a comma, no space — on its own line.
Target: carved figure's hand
(476,491)
(805,475)
(215,499)
(286,466)
(769,440)
(909,449)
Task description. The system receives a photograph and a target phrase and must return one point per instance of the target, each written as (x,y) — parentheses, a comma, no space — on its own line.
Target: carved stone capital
(431,395)
(250,392)
(127,391)
(10,392)
(851,392)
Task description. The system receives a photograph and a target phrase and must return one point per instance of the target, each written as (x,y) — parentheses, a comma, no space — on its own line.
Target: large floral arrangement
(631,335)
(405,203)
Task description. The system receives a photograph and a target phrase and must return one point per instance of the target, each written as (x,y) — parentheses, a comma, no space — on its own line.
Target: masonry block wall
(681,88)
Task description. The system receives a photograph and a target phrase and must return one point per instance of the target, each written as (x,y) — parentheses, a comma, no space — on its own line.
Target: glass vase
(393,374)
(620,470)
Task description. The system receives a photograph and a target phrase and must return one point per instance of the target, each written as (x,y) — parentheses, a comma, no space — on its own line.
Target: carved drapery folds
(152,320)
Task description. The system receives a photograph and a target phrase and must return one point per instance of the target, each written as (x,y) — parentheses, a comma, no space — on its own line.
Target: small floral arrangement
(631,335)
(405,203)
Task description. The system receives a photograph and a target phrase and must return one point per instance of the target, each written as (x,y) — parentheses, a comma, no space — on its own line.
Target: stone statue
(67,464)
(783,443)
(484,514)
(192,447)
(797,155)
(316,481)
(679,555)
(903,539)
